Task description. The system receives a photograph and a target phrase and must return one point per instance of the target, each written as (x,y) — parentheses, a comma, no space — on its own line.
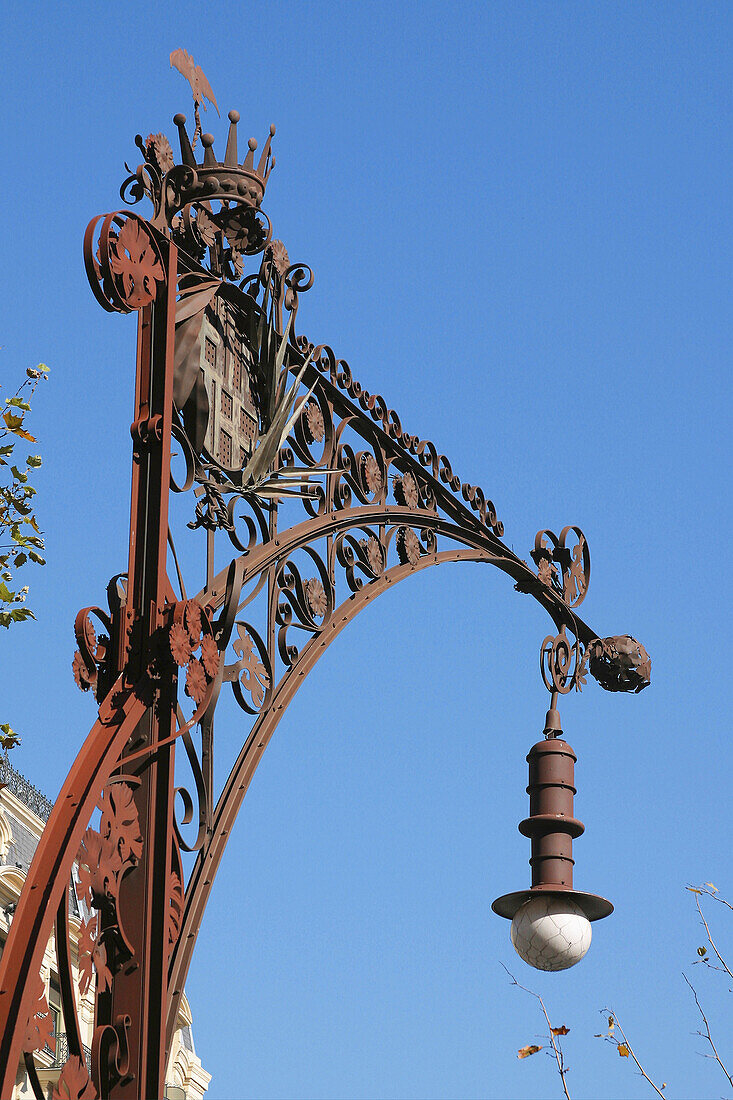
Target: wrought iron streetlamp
(319,500)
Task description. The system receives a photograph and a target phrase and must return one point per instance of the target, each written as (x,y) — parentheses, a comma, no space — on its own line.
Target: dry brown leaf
(560,1030)
(623,1050)
(524,1052)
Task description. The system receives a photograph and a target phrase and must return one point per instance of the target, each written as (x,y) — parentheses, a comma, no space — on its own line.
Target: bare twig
(624,1047)
(707,1034)
(556,1046)
(712,892)
(723,964)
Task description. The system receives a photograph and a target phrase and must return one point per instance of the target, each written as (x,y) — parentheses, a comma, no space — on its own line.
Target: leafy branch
(624,1047)
(712,892)
(553,1033)
(21,539)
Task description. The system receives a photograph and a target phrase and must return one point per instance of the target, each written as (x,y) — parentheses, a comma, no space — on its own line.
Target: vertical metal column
(135,1005)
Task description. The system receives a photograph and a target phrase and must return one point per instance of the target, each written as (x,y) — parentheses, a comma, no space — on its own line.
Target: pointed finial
(207,140)
(264,169)
(187,156)
(249,160)
(230,157)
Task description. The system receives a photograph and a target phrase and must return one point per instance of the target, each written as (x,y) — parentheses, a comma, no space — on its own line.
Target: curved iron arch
(474,546)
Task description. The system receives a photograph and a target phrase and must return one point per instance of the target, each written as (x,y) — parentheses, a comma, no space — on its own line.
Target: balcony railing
(61,1054)
(24,791)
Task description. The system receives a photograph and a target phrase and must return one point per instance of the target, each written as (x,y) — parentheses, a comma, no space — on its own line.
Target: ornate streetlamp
(317,500)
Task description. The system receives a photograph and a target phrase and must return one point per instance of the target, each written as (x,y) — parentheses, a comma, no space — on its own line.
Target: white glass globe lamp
(550,932)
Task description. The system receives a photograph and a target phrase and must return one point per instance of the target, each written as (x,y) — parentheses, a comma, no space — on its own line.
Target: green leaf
(36,557)
(5,594)
(20,559)
(22,478)
(35,461)
(42,367)
(18,403)
(20,614)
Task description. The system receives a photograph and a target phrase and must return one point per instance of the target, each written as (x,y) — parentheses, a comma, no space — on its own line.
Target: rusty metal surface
(347,504)
(552,827)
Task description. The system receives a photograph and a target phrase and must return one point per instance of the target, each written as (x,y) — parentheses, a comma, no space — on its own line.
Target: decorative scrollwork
(245,529)
(364,472)
(620,663)
(564,567)
(303,603)
(88,664)
(563,663)
(360,555)
(340,375)
(126,267)
(111,1053)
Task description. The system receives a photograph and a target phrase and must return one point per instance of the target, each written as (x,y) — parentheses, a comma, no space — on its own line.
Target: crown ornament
(185,196)
(226,180)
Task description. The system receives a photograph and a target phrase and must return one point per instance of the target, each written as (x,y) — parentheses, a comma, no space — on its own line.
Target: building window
(225,448)
(54,1006)
(226,404)
(236,371)
(210,353)
(247,429)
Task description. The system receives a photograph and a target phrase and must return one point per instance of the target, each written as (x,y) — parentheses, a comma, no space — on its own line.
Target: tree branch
(720,958)
(556,1047)
(628,1050)
(707,1034)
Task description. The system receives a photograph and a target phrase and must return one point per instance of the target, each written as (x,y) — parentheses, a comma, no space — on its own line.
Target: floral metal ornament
(125,268)
(406,491)
(563,563)
(408,546)
(251,672)
(105,857)
(39,1027)
(74,1082)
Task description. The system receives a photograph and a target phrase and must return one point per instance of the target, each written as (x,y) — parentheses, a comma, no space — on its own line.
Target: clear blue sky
(519,216)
